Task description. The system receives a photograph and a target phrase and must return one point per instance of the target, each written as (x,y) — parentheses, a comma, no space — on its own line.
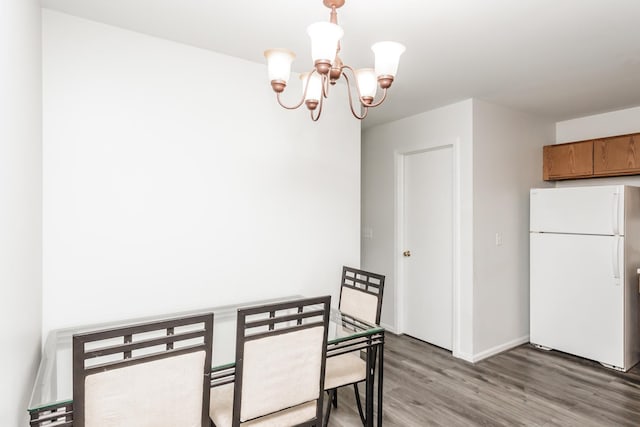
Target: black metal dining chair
(155,373)
(280,365)
(360,297)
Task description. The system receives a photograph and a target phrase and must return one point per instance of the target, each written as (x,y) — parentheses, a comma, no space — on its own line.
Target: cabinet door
(617,156)
(566,161)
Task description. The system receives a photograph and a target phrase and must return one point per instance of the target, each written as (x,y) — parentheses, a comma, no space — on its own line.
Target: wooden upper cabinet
(611,156)
(619,155)
(567,161)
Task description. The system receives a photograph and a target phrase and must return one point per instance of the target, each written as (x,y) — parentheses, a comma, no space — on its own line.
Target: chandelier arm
(353,111)
(353,72)
(304,95)
(384,96)
(325,86)
(319,112)
(372,105)
(289,107)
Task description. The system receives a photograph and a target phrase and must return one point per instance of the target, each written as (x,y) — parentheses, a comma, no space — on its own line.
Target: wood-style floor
(426,386)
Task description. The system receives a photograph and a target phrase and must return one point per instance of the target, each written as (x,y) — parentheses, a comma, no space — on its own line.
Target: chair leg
(327,414)
(334,400)
(359,404)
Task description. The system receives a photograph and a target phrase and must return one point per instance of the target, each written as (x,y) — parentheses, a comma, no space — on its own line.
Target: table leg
(380,372)
(371,355)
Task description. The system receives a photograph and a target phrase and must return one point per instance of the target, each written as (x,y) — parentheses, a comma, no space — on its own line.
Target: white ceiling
(555,58)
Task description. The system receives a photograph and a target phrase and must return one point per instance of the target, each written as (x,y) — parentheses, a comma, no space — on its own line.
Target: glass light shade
(314,91)
(366,78)
(387,57)
(324,40)
(279,63)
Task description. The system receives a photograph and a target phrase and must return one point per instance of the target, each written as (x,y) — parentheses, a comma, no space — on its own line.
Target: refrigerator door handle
(615,259)
(616,213)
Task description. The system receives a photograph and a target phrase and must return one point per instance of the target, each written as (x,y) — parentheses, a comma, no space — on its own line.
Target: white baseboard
(389,328)
(473,358)
(498,349)
(467,357)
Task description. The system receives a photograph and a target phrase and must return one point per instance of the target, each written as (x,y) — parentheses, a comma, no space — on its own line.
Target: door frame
(399,289)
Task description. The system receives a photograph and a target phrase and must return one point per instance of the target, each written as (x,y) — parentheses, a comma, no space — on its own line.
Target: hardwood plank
(426,386)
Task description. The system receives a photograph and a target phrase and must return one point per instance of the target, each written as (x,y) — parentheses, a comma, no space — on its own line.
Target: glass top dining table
(53,385)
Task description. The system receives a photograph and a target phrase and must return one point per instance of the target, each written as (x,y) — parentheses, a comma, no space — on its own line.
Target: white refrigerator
(584,290)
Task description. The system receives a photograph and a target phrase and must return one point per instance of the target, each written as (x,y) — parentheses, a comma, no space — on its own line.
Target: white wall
(447,125)
(507,162)
(20,204)
(173,180)
(499,158)
(599,125)
(614,123)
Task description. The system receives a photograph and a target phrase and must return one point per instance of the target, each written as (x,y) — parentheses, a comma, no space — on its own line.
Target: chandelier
(328,68)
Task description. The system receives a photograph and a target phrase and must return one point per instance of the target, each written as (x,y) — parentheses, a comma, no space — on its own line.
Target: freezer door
(577,295)
(579,210)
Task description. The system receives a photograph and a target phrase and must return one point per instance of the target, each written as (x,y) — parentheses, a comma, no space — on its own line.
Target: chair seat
(221,411)
(345,369)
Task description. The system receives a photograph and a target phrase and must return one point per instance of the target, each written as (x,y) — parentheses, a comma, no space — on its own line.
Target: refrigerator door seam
(573,234)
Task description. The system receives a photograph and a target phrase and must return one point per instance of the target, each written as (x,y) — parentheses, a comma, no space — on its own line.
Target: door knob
(406,253)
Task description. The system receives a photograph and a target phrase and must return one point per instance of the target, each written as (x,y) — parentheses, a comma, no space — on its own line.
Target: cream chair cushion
(361,305)
(350,368)
(280,381)
(165,392)
(344,369)
(281,371)
(221,411)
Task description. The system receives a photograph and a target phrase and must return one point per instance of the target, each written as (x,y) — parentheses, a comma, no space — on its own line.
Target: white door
(579,210)
(428,236)
(577,295)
